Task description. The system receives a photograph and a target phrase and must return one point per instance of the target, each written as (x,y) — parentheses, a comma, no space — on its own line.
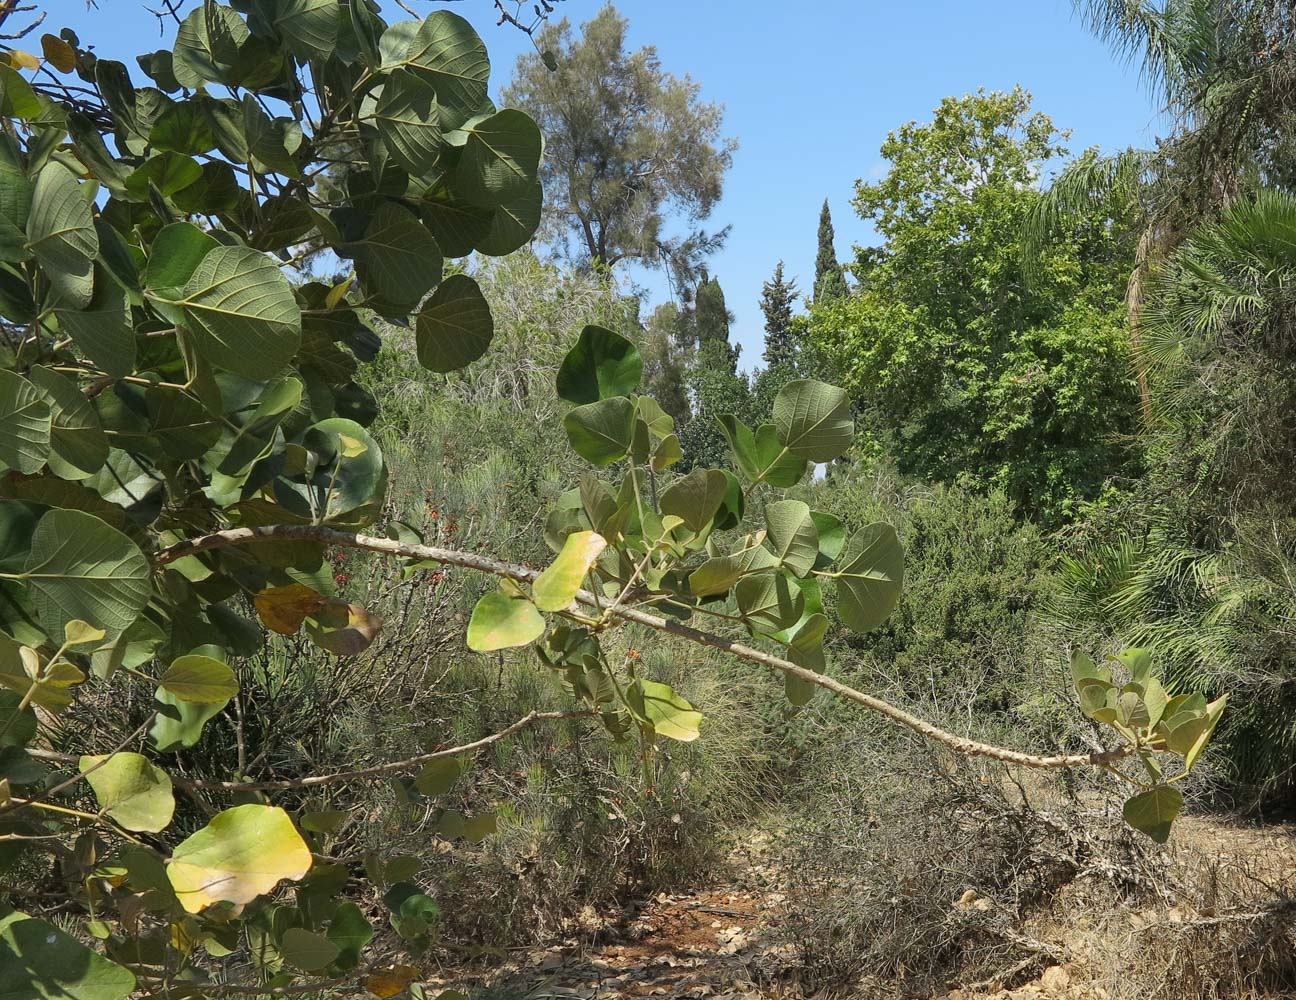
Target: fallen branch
(521,574)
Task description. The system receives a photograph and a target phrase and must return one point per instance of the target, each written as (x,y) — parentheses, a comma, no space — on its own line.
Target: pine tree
(830,283)
(777,297)
(711,318)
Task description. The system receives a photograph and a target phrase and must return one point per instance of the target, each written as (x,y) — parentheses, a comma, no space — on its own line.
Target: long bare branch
(521,574)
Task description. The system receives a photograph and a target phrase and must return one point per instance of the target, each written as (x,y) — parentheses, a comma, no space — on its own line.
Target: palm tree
(1225,72)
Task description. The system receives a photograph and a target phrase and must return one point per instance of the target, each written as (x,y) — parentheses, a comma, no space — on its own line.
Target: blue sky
(810,88)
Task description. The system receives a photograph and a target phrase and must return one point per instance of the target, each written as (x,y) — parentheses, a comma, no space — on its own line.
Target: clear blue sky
(810,88)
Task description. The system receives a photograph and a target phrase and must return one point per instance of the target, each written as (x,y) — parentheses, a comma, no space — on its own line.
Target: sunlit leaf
(556,587)
(502,622)
(243,852)
(131,790)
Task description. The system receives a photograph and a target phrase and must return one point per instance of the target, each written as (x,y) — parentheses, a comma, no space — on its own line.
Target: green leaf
(243,852)
(200,679)
(207,45)
(438,776)
(1138,662)
(513,223)
(602,432)
(667,453)
(761,457)
(603,364)
(168,172)
(131,790)
(398,260)
(715,576)
(80,568)
(455,327)
(240,311)
(458,226)
(78,445)
(1213,712)
(669,714)
(409,121)
(310,27)
(101,329)
(696,498)
(16,727)
(25,424)
(768,602)
(43,963)
(61,233)
(871,578)
(502,622)
(174,256)
(449,54)
(351,932)
(501,158)
(813,419)
(556,587)
(179,724)
(791,535)
(17,98)
(832,537)
(307,950)
(1153,811)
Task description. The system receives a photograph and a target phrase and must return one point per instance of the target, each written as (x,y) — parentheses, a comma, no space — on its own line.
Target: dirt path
(704,944)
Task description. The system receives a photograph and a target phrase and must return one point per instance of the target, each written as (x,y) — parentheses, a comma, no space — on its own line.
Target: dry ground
(725,942)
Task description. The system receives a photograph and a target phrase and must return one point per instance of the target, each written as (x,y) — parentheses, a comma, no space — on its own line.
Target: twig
(389,768)
(520,574)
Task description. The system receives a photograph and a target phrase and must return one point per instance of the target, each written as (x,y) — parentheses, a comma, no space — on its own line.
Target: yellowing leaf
(19,59)
(352,448)
(389,982)
(338,292)
(283,609)
(242,853)
(199,678)
(343,629)
(58,53)
(556,587)
(79,633)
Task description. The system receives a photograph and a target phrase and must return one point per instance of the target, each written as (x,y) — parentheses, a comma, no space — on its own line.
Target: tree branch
(520,574)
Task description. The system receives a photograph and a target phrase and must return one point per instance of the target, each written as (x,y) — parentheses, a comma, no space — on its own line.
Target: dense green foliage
(967,372)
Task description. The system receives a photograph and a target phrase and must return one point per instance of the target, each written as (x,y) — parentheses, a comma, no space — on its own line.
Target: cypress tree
(777,297)
(830,283)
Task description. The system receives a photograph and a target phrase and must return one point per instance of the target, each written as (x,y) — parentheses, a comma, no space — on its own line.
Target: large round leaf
(791,535)
(409,121)
(871,578)
(556,587)
(601,365)
(100,329)
(450,55)
(455,327)
(513,224)
(131,790)
(42,962)
(242,853)
(200,679)
(61,233)
(502,622)
(25,423)
(601,432)
(240,311)
(813,419)
(399,261)
(207,45)
(501,158)
(78,445)
(310,27)
(80,568)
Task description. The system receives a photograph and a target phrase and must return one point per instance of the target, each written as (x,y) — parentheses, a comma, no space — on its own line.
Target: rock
(1055,979)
